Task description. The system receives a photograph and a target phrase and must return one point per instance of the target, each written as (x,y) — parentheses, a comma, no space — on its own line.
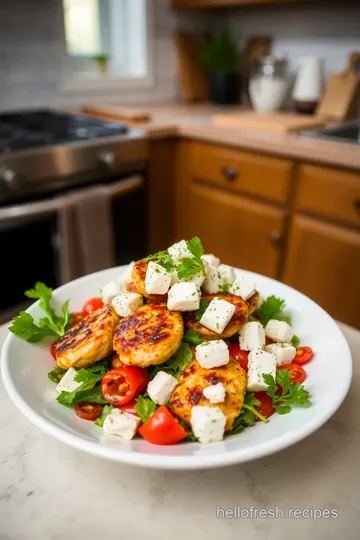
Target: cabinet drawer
(329,192)
(238,171)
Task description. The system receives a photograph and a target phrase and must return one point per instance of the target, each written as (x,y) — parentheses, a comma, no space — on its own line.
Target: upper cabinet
(229,3)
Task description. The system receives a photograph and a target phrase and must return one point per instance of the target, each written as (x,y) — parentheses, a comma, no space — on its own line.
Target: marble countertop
(49,491)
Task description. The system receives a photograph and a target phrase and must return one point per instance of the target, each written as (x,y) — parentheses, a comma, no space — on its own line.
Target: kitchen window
(108,43)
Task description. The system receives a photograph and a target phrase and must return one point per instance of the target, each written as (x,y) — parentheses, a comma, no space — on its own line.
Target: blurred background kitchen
(126,125)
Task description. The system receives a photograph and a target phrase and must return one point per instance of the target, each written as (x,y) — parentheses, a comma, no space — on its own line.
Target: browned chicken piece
(138,276)
(89,341)
(131,288)
(236,322)
(115,361)
(253,303)
(194,379)
(149,336)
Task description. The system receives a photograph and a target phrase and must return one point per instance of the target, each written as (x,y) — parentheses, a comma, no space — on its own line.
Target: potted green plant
(101,61)
(220,56)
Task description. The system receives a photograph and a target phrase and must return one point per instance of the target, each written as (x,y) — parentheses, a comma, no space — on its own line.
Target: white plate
(25,367)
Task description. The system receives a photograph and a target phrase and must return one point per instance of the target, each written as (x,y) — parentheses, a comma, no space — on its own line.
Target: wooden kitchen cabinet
(323,262)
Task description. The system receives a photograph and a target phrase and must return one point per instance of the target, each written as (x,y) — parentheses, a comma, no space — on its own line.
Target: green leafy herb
(225,287)
(86,391)
(193,337)
(190,435)
(190,266)
(272,308)
(104,413)
(200,312)
(53,325)
(163,258)
(177,362)
(284,393)
(247,415)
(144,407)
(295,341)
(56,374)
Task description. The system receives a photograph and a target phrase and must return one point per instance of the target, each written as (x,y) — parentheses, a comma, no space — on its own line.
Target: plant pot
(101,66)
(224,88)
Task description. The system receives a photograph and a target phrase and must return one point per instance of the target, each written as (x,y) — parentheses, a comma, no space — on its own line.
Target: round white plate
(25,367)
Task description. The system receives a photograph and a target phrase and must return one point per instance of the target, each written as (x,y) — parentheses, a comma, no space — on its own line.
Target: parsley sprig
(177,362)
(190,266)
(284,393)
(56,374)
(272,308)
(104,413)
(192,337)
(87,391)
(145,407)
(247,416)
(163,258)
(200,312)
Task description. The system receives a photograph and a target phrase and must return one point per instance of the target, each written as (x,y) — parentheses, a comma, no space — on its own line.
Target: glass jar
(269,84)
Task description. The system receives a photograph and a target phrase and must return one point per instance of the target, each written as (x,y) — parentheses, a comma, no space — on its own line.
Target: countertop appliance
(49,159)
(345,133)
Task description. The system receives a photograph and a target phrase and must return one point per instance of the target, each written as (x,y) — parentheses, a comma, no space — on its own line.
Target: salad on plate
(179,348)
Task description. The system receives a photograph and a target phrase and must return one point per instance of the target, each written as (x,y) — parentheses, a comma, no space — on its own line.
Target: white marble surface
(48,491)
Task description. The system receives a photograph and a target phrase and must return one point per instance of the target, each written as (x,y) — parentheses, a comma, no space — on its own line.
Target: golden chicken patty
(193,380)
(149,336)
(138,276)
(115,361)
(236,322)
(130,287)
(253,303)
(89,341)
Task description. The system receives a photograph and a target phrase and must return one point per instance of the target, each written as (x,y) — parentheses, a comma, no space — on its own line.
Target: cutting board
(193,79)
(112,112)
(270,122)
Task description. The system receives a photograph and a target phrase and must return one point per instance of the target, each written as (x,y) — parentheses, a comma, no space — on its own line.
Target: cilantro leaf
(145,407)
(56,374)
(163,258)
(195,247)
(87,391)
(272,308)
(190,266)
(24,327)
(200,312)
(284,393)
(177,362)
(104,413)
(90,376)
(247,415)
(193,337)
(225,287)
(295,342)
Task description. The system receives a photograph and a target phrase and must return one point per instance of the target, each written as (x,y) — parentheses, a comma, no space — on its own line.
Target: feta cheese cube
(211,259)
(67,383)
(121,424)
(179,251)
(215,393)
(217,315)
(279,331)
(161,387)
(252,336)
(211,354)
(260,362)
(183,297)
(126,277)
(197,279)
(226,274)
(284,352)
(211,284)
(244,287)
(207,423)
(109,291)
(126,303)
(157,279)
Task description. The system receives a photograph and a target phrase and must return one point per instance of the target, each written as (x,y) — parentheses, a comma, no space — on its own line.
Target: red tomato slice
(122,384)
(239,355)
(298,374)
(266,405)
(162,428)
(128,407)
(92,305)
(88,411)
(269,341)
(76,318)
(303,355)
(52,350)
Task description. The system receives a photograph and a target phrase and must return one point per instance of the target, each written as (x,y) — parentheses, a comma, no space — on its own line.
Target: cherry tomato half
(52,350)
(76,318)
(269,341)
(266,405)
(298,374)
(239,355)
(162,428)
(92,305)
(88,411)
(122,384)
(303,355)
(127,407)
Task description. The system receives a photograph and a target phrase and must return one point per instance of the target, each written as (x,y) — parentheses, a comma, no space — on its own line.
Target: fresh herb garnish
(225,287)
(295,341)
(190,266)
(284,393)
(104,413)
(86,391)
(144,407)
(272,308)
(193,337)
(56,374)
(247,416)
(177,362)
(53,325)
(200,312)
(190,435)
(162,258)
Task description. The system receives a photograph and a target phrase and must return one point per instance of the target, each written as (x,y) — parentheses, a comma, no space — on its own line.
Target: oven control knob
(107,158)
(8,177)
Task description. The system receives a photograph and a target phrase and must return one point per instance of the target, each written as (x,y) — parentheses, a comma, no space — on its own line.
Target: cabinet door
(241,232)
(323,262)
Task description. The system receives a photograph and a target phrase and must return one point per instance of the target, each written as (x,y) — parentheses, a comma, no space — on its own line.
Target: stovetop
(39,128)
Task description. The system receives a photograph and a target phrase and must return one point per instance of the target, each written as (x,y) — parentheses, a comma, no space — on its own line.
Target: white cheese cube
(284,352)
(217,315)
(126,277)
(226,274)
(207,423)
(197,279)
(279,331)
(259,363)
(211,259)
(157,279)
(179,251)
(109,291)
(244,287)
(211,284)
(211,354)
(126,303)
(252,336)
(183,297)
(161,387)
(121,424)
(67,383)
(215,393)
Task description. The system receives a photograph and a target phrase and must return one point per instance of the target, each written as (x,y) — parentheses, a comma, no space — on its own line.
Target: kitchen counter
(49,491)
(194,122)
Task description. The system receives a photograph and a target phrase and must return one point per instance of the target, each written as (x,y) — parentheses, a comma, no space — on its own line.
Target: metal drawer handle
(230,173)
(357,204)
(276,238)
